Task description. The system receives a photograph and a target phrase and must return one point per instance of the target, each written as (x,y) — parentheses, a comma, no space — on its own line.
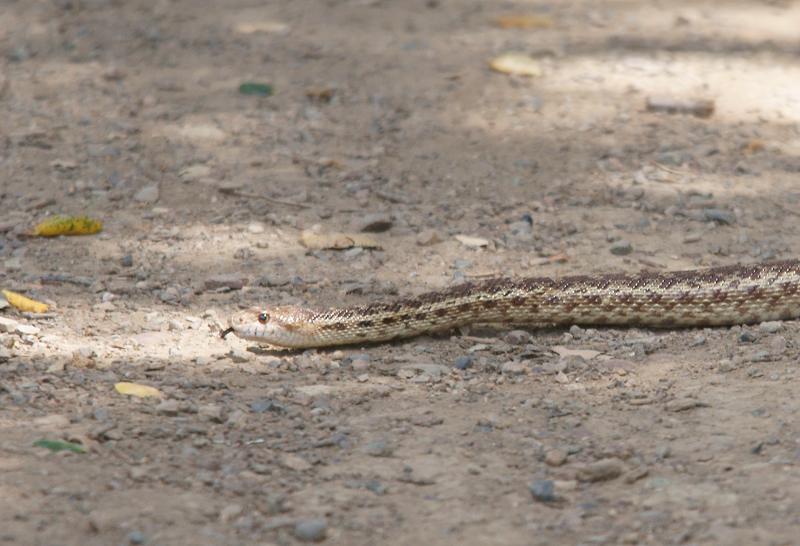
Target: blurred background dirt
(387,117)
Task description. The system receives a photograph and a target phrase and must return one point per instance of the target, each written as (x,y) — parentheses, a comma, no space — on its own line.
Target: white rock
(148,194)
(472,242)
(194,172)
(256,228)
(7,325)
(26,330)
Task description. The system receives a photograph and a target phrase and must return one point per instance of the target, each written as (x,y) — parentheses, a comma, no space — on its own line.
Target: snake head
(282,326)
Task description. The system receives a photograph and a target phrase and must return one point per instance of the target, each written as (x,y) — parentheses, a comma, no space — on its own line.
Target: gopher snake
(705,297)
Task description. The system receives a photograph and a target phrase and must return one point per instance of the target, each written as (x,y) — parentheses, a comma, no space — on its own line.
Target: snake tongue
(225,332)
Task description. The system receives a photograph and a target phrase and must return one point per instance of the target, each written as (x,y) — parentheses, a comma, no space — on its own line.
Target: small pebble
(514,368)
(267,404)
(555,457)
(428,237)
(747,337)
(463,362)
(379,448)
(147,195)
(621,248)
(720,216)
(771,327)
(311,530)
(777,345)
(26,329)
(375,222)
(230,512)
(295,462)
(602,470)
(211,412)
(8,325)
(255,228)
(126,261)
(543,490)
(136,537)
(168,407)
(193,173)
(517,337)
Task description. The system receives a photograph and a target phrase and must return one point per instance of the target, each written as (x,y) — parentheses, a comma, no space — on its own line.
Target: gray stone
(147,195)
(267,404)
(379,448)
(136,537)
(463,362)
(621,248)
(720,216)
(311,530)
(771,327)
(517,337)
(543,490)
(747,337)
(168,407)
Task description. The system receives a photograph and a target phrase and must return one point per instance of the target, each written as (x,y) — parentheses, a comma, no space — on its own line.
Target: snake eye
(263,318)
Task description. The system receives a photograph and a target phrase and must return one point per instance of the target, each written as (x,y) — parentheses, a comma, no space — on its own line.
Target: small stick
(669,170)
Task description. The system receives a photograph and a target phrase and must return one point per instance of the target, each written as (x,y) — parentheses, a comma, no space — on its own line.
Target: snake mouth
(226,331)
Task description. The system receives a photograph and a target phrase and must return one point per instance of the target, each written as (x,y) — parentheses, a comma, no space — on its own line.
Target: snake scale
(717,296)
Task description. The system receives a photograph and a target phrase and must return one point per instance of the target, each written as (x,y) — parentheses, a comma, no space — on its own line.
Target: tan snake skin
(705,297)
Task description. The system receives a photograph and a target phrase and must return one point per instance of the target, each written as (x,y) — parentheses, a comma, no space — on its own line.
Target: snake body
(718,296)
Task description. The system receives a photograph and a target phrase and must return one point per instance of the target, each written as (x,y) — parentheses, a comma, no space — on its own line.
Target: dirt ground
(388,113)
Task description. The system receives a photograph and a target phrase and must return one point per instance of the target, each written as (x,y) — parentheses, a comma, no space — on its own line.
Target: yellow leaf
(516,63)
(67,225)
(524,21)
(135,389)
(24,304)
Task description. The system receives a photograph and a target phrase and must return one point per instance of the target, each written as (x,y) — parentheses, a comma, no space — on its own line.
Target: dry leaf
(520,64)
(135,389)
(24,304)
(337,240)
(472,242)
(754,146)
(265,26)
(524,21)
(67,225)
